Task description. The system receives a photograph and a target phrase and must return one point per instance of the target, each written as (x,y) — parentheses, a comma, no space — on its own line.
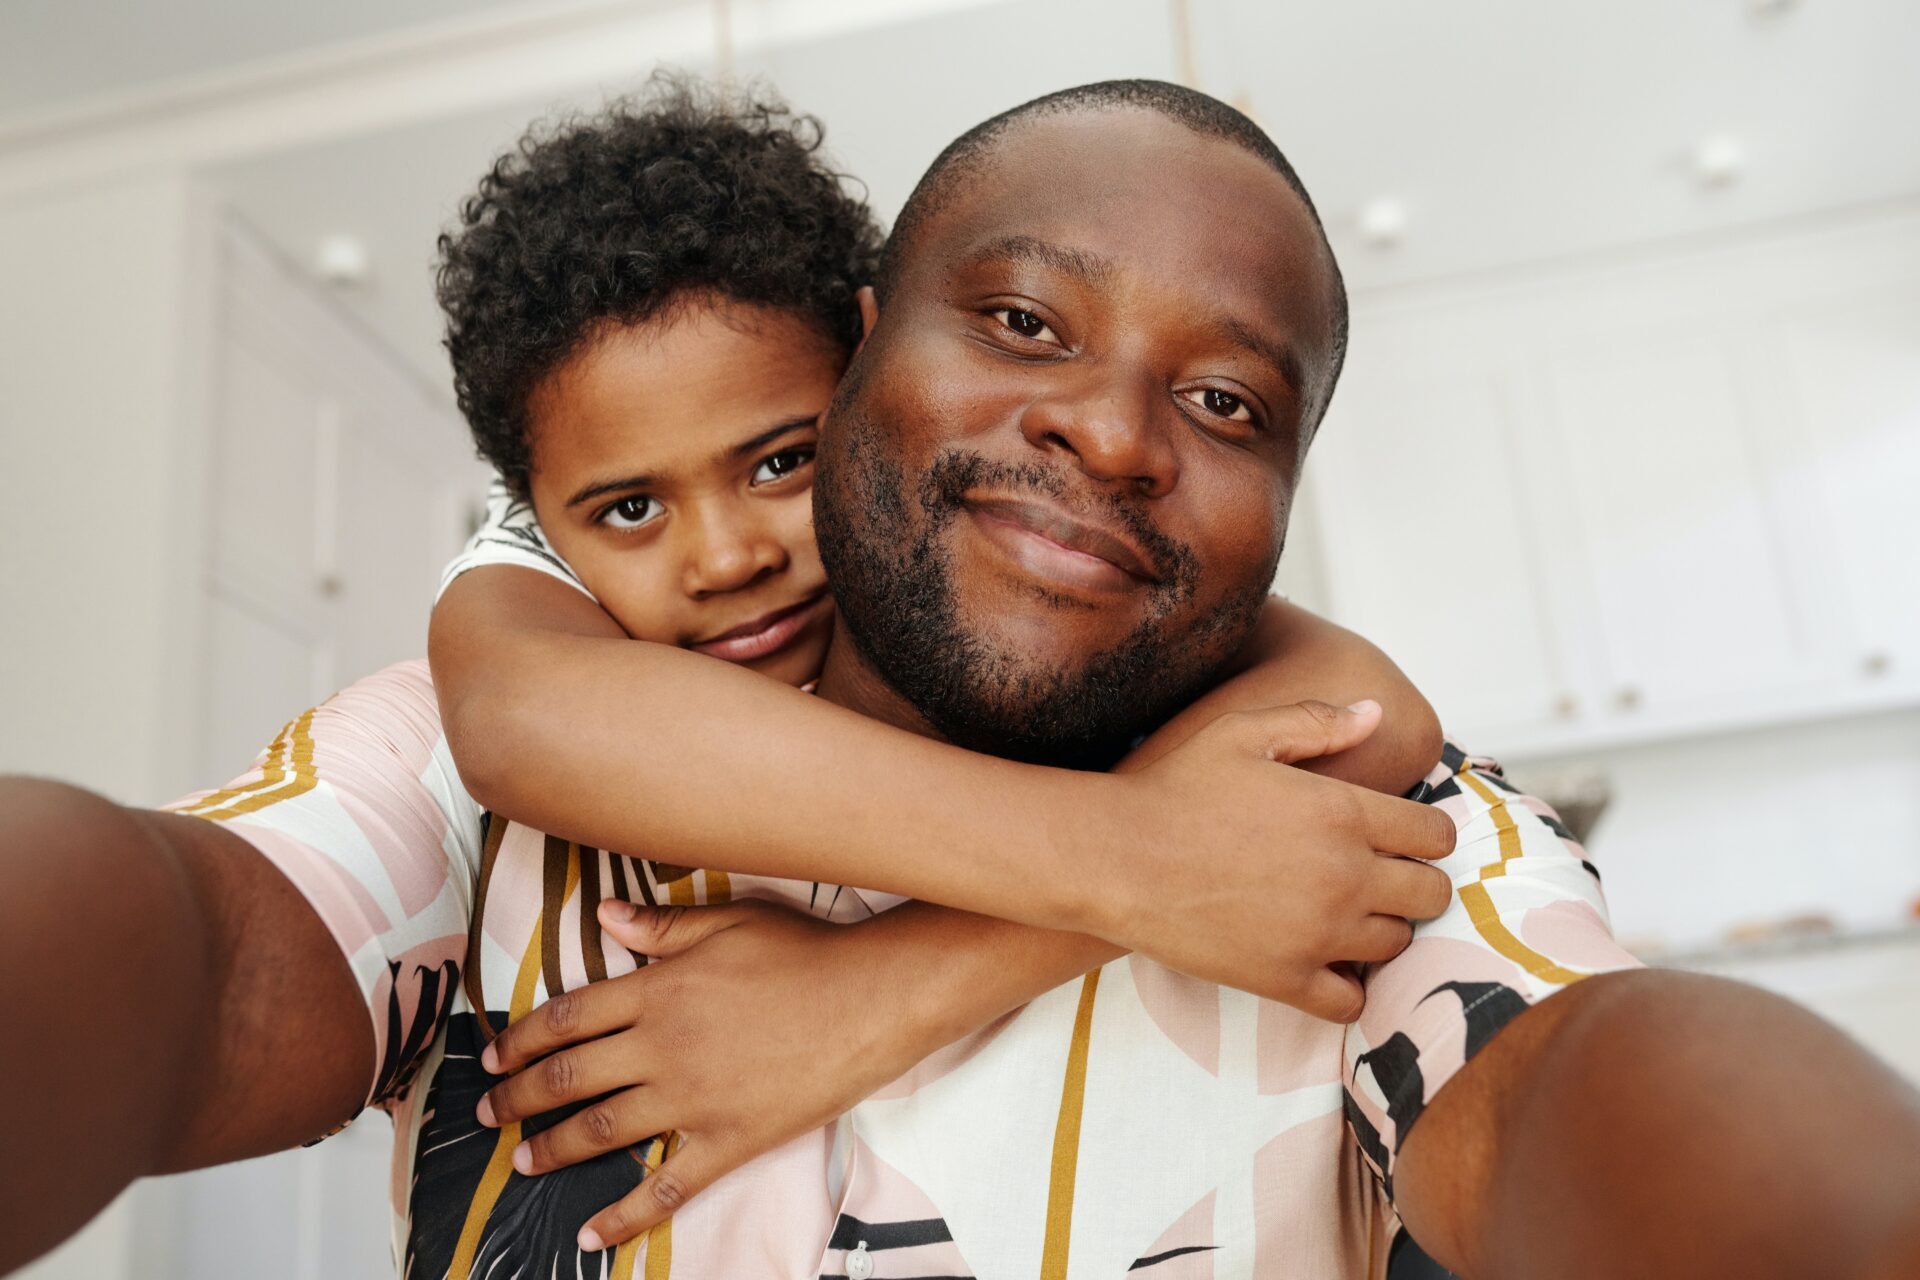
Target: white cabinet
(1854,386)
(1653,499)
(1661,495)
(1424,515)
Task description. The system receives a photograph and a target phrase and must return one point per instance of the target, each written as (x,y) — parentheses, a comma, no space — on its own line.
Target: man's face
(1055,484)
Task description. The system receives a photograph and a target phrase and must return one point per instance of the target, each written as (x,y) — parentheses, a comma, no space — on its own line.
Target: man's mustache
(957,472)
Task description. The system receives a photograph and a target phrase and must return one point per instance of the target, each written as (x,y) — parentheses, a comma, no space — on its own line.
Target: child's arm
(1297,656)
(557,721)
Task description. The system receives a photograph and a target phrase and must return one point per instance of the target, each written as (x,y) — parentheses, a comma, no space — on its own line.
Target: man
(1111,315)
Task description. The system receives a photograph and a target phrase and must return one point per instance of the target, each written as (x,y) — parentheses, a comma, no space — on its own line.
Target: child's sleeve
(510,535)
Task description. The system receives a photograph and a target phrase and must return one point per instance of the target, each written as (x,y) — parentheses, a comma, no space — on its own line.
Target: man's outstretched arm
(171,1001)
(1662,1124)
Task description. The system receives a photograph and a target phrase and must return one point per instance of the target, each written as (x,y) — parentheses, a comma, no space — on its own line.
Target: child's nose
(728,556)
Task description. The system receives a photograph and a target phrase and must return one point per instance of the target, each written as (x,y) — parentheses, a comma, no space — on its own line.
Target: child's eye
(1026,324)
(630,512)
(778,466)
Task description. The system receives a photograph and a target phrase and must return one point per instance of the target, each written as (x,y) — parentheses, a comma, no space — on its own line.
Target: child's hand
(1235,868)
(718,1041)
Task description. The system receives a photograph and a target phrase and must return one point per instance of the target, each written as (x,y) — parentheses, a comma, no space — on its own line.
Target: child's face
(673,469)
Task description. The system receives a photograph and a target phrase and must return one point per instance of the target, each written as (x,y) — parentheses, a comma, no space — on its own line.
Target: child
(647,313)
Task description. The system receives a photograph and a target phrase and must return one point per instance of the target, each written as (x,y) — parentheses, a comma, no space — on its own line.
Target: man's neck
(851,681)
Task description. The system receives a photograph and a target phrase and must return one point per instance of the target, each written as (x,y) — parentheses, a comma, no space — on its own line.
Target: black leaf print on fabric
(1488,1006)
(1369,1139)
(534,1224)
(411,1029)
(1396,1069)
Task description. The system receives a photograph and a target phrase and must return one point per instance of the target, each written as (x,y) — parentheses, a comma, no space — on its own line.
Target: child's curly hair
(613,217)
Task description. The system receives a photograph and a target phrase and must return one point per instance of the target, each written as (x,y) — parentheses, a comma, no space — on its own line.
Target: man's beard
(894,586)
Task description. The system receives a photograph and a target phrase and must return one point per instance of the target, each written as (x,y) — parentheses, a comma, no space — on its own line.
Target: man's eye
(1224,404)
(630,512)
(1026,324)
(780,465)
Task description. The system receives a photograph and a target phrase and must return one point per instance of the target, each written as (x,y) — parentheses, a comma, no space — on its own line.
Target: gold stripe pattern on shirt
(1479,902)
(660,1237)
(290,754)
(1066,1139)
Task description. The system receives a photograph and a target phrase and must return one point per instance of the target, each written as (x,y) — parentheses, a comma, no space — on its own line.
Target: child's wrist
(1092,845)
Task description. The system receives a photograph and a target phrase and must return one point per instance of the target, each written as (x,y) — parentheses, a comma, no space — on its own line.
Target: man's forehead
(1127,193)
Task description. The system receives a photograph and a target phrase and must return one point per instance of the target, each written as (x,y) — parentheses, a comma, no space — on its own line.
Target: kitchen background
(1625,468)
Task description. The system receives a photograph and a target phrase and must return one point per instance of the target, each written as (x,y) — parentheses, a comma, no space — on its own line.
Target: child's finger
(690,1169)
(620,1121)
(1306,730)
(664,931)
(1333,994)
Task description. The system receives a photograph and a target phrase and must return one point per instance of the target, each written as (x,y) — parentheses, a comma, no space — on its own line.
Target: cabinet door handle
(1876,664)
(331,585)
(1627,698)
(1566,706)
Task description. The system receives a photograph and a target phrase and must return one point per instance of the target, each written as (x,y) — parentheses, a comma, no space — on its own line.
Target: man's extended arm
(172,1002)
(1662,1124)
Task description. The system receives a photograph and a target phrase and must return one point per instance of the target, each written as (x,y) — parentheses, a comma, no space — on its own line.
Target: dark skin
(1190,385)
(1636,1124)
(162,1043)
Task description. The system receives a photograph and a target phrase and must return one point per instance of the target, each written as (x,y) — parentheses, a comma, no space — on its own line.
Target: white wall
(97,506)
(97,517)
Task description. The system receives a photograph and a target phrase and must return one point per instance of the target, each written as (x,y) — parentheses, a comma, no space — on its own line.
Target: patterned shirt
(510,534)
(1132,1120)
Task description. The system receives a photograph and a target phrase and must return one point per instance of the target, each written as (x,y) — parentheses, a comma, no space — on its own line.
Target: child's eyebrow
(600,488)
(769,435)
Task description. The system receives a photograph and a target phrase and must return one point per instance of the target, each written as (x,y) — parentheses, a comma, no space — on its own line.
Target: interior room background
(1636,321)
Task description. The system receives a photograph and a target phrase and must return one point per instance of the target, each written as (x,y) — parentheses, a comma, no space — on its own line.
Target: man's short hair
(1205,115)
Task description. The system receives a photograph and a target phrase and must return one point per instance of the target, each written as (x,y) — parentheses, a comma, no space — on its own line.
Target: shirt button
(859,1263)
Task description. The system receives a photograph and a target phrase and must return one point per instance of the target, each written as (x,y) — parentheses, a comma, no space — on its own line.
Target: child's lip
(768,633)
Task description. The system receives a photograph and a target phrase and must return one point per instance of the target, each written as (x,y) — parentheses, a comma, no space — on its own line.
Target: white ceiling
(1512,131)
(55,52)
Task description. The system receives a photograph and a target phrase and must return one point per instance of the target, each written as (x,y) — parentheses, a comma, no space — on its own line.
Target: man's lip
(1064,529)
(759,626)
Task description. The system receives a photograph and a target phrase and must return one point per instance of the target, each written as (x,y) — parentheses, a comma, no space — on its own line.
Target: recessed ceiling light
(1383,222)
(342,260)
(1719,160)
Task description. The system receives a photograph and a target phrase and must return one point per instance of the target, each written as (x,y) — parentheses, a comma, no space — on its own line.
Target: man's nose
(1114,427)
(727,551)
